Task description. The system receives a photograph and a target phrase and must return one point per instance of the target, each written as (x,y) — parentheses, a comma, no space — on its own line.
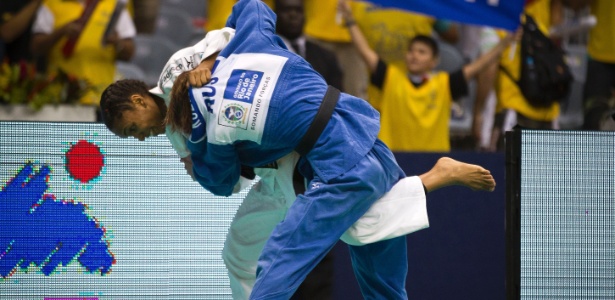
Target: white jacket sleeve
(214,41)
(178,141)
(401,211)
(184,60)
(189,58)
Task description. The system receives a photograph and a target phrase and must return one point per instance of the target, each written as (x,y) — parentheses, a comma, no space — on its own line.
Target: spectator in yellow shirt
(94,54)
(416,101)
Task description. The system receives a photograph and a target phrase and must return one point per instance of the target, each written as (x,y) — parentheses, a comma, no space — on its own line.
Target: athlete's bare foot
(448,171)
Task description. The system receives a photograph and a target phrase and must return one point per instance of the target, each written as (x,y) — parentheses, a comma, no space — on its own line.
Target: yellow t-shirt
(90,60)
(509,94)
(388,31)
(415,118)
(385,29)
(219,10)
(601,45)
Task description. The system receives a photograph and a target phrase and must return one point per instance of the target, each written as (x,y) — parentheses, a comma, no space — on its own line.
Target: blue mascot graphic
(36,229)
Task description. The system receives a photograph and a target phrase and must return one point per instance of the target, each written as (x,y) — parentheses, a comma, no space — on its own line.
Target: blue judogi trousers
(316,221)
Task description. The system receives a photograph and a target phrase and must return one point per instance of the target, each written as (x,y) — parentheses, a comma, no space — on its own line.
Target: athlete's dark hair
(427,40)
(179,116)
(115,99)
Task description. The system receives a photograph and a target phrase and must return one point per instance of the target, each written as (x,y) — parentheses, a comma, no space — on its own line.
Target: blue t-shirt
(259,104)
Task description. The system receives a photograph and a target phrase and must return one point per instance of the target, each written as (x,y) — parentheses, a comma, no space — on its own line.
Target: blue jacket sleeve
(216,168)
(248,15)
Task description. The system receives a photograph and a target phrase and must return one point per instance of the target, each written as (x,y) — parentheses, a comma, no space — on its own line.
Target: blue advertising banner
(495,13)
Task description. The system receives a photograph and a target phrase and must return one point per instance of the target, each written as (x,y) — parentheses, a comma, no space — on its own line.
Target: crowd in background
(55,51)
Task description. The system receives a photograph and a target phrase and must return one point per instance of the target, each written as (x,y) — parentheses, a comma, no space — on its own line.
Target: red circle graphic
(84,161)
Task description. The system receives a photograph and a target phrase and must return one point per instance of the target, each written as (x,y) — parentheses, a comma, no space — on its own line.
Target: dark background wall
(462,254)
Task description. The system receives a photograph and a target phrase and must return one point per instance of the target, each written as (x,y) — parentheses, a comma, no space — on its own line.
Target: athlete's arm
(190,58)
(470,70)
(201,75)
(370,57)
(216,167)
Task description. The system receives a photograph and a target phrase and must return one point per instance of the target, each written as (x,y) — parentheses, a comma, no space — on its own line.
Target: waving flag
(496,13)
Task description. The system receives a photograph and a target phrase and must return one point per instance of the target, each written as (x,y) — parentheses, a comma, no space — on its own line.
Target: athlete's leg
(400,211)
(448,171)
(381,268)
(263,208)
(403,209)
(317,219)
(258,214)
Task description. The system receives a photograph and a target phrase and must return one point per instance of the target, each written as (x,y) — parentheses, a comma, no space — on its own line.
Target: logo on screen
(38,229)
(242,85)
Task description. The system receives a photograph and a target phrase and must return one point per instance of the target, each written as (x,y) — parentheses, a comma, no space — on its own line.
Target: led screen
(567,215)
(87,215)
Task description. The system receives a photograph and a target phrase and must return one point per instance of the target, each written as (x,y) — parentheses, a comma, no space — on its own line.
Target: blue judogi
(257,107)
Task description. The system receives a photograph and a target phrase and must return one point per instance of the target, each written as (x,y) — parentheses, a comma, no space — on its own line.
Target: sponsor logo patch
(234,113)
(242,85)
